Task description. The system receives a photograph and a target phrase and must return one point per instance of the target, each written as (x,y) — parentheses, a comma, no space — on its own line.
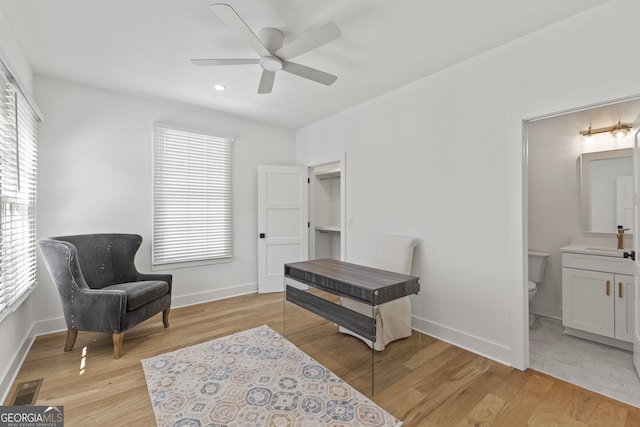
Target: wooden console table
(366,284)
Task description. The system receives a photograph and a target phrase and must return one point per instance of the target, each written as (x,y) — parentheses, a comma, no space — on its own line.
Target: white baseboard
(547,316)
(485,348)
(11,371)
(49,326)
(598,338)
(474,344)
(213,295)
(544,309)
(58,324)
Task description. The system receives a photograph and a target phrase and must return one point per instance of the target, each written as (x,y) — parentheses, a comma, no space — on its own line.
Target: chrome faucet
(621,236)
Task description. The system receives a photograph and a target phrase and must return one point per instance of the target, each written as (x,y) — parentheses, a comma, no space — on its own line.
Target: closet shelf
(328,228)
(328,175)
(327,171)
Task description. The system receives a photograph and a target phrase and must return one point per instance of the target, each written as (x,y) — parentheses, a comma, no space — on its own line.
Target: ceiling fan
(274,55)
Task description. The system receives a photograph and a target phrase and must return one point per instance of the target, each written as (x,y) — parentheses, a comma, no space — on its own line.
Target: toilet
(537,264)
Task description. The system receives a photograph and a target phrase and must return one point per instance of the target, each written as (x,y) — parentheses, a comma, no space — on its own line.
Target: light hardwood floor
(443,386)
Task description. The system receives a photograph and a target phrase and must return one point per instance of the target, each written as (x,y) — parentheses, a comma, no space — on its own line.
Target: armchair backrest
(103,259)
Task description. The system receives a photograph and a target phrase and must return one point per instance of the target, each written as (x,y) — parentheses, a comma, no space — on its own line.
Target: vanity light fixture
(588,134)
(620,131)
(617,131)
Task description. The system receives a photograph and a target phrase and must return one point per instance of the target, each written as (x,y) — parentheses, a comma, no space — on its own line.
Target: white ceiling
(144,46)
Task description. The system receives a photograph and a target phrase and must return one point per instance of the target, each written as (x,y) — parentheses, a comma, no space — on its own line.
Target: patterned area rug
(253,378)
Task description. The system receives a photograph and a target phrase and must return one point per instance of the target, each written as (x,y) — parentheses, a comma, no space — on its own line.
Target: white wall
(95,176)
(442,159)
(12,53)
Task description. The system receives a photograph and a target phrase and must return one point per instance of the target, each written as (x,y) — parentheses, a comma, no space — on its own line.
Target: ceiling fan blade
(309,73)
(266,81)
(207,62)
(311,40)
(233,20)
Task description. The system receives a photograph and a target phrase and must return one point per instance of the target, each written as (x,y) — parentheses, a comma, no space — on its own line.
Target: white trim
(58,324)
(522,362)
(11,372)
(598,338)
(49,326)
(190,264)
(477,345)
(210,133)
(586,107)
(16,81)
(213,295)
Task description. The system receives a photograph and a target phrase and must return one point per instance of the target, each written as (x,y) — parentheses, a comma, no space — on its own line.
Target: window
(191,196)
(18,162)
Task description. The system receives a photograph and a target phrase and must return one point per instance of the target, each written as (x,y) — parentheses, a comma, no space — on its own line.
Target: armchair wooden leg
(72,334)
(165,316)
(117,345)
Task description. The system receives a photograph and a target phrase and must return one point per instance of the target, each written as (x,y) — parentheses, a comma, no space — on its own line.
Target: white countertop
(595,250)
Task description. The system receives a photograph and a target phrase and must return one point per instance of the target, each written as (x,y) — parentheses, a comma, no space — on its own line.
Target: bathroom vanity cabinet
(597,296)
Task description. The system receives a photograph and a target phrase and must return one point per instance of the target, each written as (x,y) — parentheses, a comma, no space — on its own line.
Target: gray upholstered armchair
(99,286)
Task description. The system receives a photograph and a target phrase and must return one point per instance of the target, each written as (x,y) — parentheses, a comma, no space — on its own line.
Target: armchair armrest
(97,310)
(164,277)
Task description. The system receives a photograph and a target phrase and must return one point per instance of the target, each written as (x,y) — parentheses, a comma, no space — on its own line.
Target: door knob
(631,254)
(262,235)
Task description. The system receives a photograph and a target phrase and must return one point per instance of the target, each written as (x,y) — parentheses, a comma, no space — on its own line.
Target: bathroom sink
(602,249)
(596,250)
(605,251)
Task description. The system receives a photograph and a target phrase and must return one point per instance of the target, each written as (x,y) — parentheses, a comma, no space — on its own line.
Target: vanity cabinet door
(624,298)
(587,301)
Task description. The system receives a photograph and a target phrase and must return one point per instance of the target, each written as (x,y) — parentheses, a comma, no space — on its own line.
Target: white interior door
(636,243)
(283,212)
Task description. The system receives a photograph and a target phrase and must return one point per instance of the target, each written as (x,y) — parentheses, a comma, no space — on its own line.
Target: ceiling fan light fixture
(271,63)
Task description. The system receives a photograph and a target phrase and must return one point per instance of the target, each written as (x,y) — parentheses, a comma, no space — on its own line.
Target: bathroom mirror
(606,189)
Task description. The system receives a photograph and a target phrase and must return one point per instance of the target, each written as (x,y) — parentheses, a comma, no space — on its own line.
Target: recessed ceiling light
(219,88)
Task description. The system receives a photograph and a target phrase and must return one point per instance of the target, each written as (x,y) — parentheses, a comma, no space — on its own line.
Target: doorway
(327,210)
(554,145)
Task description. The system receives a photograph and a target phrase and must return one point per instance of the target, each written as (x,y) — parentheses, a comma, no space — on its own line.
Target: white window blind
(18,163)
(191,196)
